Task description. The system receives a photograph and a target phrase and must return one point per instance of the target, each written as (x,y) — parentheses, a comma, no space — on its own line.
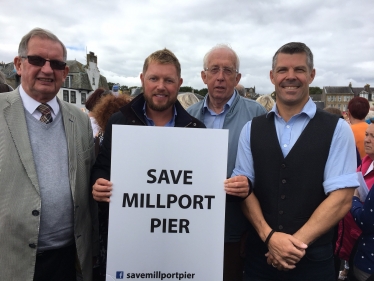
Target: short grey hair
(41,33)
(217,47)
(295,48)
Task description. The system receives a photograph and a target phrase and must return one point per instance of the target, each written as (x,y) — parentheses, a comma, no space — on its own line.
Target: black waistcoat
(290,189)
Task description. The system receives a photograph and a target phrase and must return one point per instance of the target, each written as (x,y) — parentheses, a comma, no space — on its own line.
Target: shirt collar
(371,167)
(309,109)
(228,104)
(150,122)
(31,105)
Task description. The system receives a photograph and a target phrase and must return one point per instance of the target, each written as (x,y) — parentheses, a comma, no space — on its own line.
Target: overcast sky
(122,33)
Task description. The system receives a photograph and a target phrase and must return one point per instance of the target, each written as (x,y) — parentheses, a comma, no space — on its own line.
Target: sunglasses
(39,61)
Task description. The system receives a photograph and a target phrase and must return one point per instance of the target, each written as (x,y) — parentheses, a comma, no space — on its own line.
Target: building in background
(11,76)
(251,93)
(339,97)
(81,81)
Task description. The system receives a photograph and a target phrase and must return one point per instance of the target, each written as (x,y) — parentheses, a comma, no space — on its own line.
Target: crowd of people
(293,207)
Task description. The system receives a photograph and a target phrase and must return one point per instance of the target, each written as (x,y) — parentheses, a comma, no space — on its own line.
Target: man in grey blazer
(47,215)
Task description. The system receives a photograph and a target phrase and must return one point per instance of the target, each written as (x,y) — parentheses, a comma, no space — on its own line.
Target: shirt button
(32,245)
(285,145)
(284,181)
(35,213)
(288,126)
(280,227)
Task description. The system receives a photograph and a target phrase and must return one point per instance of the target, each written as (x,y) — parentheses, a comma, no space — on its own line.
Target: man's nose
(291,74)
(220,76)
(46,68)
(160,84)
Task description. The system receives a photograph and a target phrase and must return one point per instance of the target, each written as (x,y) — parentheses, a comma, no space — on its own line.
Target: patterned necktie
(46,113)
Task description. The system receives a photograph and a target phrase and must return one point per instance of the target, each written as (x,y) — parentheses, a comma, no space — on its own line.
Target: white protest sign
(167,211)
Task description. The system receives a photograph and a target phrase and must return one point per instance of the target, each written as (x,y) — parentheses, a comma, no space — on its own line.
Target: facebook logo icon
(119,275)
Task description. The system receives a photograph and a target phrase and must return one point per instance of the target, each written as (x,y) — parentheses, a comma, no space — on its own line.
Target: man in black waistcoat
(301,164)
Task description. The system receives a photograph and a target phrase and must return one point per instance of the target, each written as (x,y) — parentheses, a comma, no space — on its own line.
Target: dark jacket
(132,114)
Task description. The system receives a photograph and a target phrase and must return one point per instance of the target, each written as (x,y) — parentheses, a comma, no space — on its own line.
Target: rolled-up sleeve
(340,169)
(244,159)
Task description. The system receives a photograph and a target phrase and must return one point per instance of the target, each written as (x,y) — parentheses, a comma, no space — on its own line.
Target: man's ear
(272,77)
(237,78)
(312,75)
(66,72)
(18,65)
(203,76)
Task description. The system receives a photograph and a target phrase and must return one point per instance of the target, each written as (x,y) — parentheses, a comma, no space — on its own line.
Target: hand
(102,190)
(285,251)
(237,186)
(274,263)
(356,193)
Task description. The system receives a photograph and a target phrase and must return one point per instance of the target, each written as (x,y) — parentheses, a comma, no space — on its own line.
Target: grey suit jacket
(19,189)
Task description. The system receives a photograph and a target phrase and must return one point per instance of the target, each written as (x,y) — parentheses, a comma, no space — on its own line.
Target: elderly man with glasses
(48,216)
(224,108)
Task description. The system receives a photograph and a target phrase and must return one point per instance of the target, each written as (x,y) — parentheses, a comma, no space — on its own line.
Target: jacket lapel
(16,121)
(69,121)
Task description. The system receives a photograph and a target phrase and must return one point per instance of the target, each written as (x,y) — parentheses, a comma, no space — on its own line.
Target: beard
(160,107)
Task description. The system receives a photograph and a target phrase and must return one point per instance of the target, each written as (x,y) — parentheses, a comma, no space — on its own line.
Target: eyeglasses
(226,70)
(39,61)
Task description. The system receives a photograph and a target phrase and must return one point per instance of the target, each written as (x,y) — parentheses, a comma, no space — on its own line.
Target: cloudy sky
(122,33)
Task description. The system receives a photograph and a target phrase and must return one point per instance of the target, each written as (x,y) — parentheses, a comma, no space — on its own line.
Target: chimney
(91,58)
(367,88)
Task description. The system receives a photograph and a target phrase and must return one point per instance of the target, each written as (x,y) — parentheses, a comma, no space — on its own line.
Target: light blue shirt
(340,169)
(214,120)
(150,122)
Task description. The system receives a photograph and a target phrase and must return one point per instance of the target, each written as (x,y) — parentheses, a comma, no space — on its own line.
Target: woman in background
(90,105)
(102,111)
(266,101)
(187,99)
(363,213)
(358,108)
